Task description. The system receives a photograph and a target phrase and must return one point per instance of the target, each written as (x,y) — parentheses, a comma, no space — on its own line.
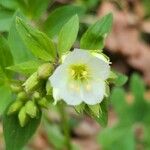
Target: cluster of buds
(31,95)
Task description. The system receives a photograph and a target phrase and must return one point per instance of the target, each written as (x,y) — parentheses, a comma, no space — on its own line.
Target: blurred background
(128,47)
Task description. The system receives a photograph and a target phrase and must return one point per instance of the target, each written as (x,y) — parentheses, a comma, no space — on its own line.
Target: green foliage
(5,60)
(117,138)
(6,98)
(25,68)
(5,18)
(5,57)
(68,34)
(121,136)
(32,9)
(103,117)
(55,137)
(146,7)
(89,3)
(53,25)
(35,8)
(18,49)
(15,136)
(98,112)
(9,4)
(33,56)
(37,42)
(120,80)
(94,37)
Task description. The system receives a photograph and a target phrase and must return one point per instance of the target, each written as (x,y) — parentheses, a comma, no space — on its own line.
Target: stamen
(79,72)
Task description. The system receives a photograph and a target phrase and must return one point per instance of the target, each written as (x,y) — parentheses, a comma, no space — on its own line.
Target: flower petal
(99,68)
(71,95)
(77,56)
(93,93)
(59,77)
(56,95)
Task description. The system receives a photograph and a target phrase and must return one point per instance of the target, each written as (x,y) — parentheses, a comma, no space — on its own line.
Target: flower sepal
(45,70)
(95,110)
(80,108)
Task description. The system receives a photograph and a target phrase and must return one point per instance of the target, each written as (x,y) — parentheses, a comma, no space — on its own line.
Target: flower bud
(43,102)
(15,88)
(48,88)
(23,117)
(22,96)
(31,109)
(36,95)
(45,71)
(31,83)
(15,107)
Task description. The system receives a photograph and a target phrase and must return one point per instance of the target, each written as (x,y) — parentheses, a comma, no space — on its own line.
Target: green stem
(65,125)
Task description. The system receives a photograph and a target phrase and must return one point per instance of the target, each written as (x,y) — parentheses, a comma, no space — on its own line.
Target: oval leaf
(16,136)
(59,17)
(6,58)
(94,37)
(28,67)
(68,34)
(18,49)
(37,42)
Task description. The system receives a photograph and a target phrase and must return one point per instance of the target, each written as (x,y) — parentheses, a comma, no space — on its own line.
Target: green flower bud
(48,88)
(44,102)
(45,71)
(15,88)
(36,95)
(31,109)
(23,117)
(31,83)
(22,96)
(15,107)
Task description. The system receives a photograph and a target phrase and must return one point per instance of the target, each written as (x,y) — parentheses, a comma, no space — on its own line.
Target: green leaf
(55,137)
(117,138)
(37,42)
(5,19)
(37,7)
(68,35)
(9,4)
(103,116)
(120,80)
(18,49)
(59,17)
(113,76)
(118,99)
(137,87)
(26,68)
(145,4)
(6,98)
(6,58)
(3,77)
(16,136)
(94,37)
(90,4)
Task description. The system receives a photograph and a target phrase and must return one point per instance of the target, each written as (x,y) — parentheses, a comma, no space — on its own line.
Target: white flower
(80,78)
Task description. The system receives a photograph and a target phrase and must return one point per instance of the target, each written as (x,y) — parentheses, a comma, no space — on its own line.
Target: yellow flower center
(79,72)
